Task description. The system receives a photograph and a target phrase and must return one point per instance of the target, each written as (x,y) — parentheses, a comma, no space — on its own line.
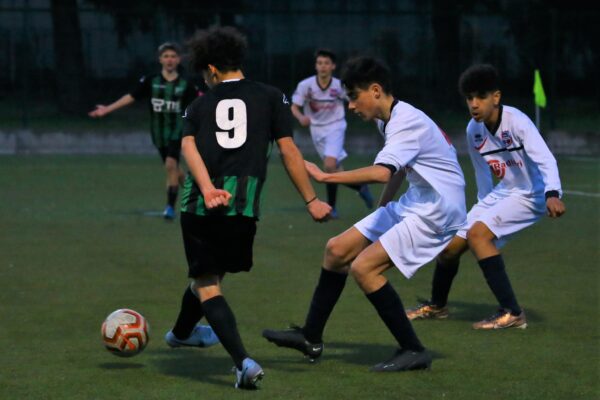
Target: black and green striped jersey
(234,125)
(168,99)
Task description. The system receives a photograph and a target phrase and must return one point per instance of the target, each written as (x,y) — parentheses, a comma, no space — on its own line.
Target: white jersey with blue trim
(515,154)
(436,191)
(322,105)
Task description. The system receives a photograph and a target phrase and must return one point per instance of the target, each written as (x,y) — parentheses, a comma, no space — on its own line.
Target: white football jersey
(322,105)
(516,154)
(436,191)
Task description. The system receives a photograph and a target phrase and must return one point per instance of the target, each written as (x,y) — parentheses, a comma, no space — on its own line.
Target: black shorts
(173,150)
(217,244)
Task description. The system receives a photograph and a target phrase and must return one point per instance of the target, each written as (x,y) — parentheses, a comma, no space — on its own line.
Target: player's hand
(304,121)
(319,210)
(100,111)
(555,207)
(215,198)
(315,172)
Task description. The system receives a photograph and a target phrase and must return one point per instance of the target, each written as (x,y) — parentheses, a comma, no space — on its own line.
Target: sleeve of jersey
(281,120)
(401,148)
(190,127)
(141,89)
(539,153)
(483,175)
(191,92)
(299,96)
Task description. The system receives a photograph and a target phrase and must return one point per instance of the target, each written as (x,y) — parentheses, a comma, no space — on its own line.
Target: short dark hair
(169,46)
(224,47)
(480,79)
(326,53)
(360,72)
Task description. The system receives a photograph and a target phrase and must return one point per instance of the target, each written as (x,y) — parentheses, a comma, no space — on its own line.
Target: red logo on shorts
(498,168)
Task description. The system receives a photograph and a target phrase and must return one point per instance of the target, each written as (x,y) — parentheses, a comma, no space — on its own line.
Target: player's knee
(360,272)
(336,251)
(479,233)
(171,164)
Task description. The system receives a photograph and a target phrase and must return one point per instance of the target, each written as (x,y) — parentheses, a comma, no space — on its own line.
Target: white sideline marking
(578,193)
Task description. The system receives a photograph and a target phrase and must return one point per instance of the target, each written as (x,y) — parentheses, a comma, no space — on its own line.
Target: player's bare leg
(446,268)
(339,252)
(510,315)
(173,180)
(367,269)
(221,319)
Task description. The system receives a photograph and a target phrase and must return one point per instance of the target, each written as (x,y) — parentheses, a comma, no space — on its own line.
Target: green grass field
(76,242)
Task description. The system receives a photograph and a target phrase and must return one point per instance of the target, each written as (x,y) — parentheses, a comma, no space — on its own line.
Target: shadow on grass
(120,365)
(365,354)
(473,312)
(196,365)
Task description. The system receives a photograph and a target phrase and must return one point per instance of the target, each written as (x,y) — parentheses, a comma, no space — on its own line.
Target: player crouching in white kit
(321,98)
(504,142)
(407,233)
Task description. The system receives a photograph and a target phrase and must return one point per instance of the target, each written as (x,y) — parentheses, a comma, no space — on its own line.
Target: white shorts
(408,240)
(329,139)
(505,214)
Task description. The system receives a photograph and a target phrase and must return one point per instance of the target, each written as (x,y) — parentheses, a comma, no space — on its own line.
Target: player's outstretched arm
(213,197)
(294,165)
(371,174)
(102,110)
(391,188)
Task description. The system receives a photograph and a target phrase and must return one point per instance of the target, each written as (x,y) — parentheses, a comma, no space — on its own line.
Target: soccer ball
(125,332)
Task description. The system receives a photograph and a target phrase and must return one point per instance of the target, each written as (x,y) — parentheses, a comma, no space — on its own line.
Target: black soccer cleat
(405,360)
(293,338)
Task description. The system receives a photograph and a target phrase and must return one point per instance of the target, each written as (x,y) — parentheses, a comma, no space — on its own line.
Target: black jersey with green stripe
(234,125)
(168,99)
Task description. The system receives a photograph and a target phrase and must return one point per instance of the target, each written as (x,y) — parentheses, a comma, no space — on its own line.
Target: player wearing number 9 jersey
(227,139)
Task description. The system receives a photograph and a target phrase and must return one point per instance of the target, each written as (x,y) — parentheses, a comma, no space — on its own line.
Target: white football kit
(417,227)
(519,158)
(325,108)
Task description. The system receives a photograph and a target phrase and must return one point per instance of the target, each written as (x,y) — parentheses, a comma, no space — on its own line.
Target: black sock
(354,187)
(172,195)
(190,313)
(497,280)
(442,281)
(389,307)
(331,194)
(328,291)
(221,319)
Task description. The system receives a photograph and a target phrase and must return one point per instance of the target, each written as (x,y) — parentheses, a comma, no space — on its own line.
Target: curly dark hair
(360,72)
(224,47)
(479,79)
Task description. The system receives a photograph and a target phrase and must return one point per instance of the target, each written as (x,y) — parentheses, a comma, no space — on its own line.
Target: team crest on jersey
(506,138)
(498,168)
(333,92)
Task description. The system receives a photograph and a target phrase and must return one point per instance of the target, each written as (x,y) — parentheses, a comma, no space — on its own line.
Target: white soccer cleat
(249,375)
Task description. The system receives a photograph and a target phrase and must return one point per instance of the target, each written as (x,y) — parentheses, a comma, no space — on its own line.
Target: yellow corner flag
(538,90)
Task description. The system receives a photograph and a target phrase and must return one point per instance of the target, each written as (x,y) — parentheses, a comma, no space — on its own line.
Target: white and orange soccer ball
(125,332)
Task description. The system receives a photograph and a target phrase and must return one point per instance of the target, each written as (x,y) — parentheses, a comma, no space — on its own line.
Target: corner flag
(538,90)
